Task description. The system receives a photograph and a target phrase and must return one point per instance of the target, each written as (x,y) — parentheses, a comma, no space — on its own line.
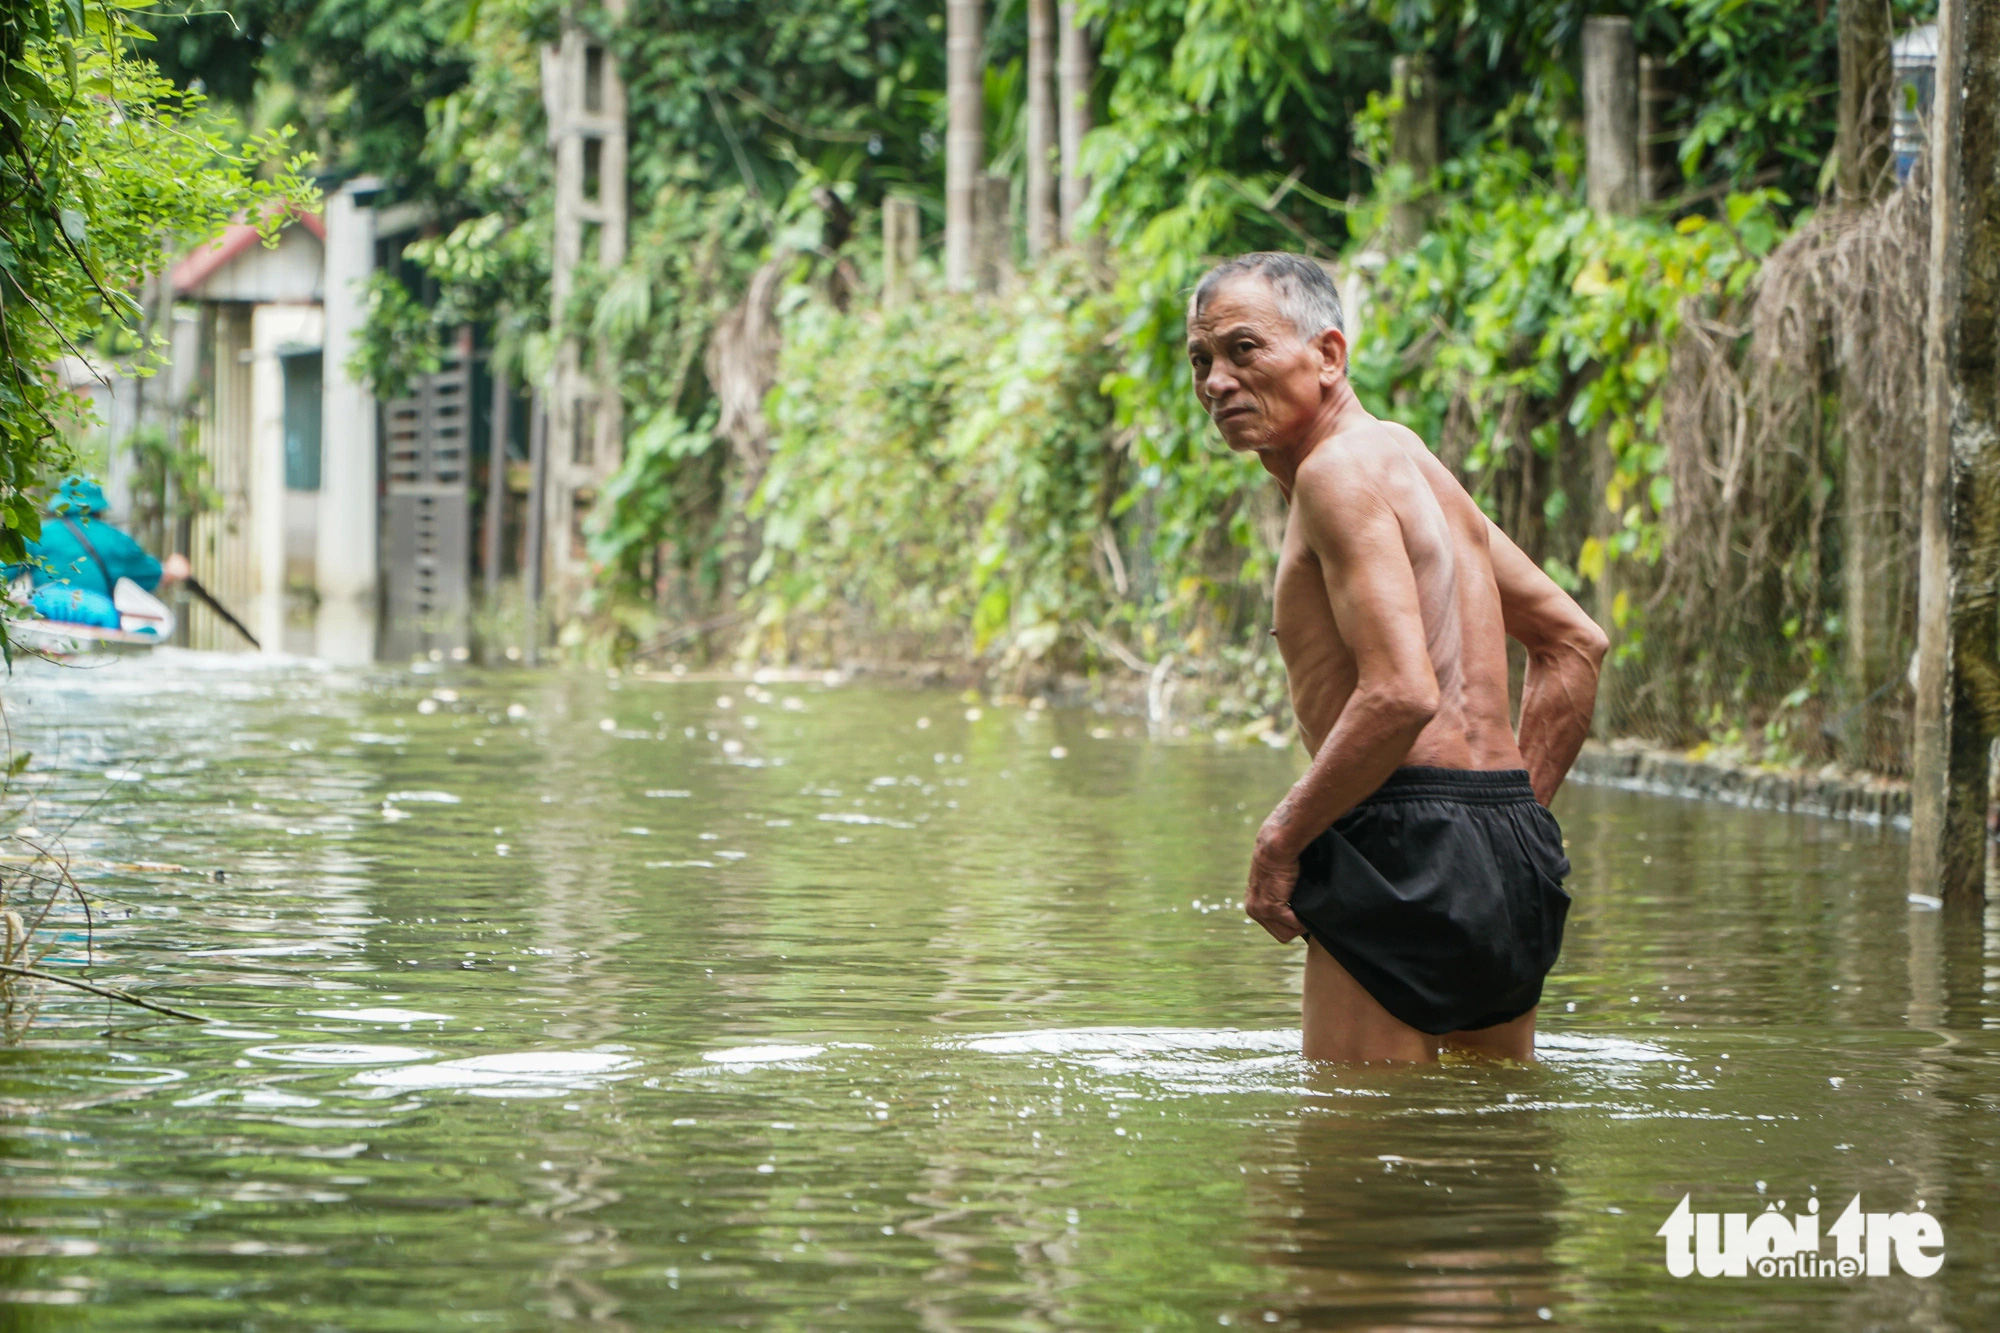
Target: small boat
(144,623)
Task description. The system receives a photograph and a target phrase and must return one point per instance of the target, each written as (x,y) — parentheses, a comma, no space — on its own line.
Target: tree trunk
(1656,158)
(1958,631)
(1413,143)
(902,236)
(1041,128)
(1610,116)
(1073,112)
(995,232)
(964,140)
(1865,175)
(1866,78)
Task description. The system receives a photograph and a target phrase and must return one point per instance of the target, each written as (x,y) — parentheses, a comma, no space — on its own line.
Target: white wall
(272,327)
(292,271)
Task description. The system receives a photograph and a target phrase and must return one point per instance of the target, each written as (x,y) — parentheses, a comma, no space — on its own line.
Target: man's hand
(174,568)
(1268,899)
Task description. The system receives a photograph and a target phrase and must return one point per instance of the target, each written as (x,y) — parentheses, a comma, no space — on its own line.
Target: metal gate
(428,446)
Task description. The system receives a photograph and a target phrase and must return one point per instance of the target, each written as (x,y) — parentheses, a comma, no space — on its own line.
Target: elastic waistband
(1481,786)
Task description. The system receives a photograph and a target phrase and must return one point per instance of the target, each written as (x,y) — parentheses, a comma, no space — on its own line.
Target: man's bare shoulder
(1349,487)
(1443,482)
(1359,457)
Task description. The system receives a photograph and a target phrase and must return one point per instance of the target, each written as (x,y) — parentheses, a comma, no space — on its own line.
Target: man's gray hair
(1306,295)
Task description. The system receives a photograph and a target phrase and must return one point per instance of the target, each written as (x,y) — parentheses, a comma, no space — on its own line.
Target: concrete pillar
(1958,615)
(345,552)
(584,97)
(1611,116)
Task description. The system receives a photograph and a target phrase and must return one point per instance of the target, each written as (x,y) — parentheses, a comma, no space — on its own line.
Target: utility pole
(964,140)
(585,101)
(1041,128)
(1073,76)
(1958,630)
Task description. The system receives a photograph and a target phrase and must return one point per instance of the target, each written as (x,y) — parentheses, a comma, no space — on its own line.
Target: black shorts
(1442,895)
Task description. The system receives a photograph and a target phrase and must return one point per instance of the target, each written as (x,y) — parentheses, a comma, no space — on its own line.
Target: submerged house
(341,526)
(258,316)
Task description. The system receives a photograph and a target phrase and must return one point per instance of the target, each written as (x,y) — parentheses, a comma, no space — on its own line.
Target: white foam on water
(1577,1048)
(1129,1042)
(762,1055)
(378,1015)
(330,1054)
(1183,1060)
(433,797)
(514,1074)
(262,1098)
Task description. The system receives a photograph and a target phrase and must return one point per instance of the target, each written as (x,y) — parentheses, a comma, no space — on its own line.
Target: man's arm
(1565,651)
(1354,532)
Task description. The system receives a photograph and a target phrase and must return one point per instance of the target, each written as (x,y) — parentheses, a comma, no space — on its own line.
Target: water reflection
(564,1001)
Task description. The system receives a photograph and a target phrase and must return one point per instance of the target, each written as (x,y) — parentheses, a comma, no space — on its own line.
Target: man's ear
(1332,346)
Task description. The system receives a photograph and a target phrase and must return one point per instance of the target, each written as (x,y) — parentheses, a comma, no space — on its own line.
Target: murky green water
(644,1004)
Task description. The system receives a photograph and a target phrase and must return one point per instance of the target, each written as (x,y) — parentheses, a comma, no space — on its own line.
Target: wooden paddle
(208,598)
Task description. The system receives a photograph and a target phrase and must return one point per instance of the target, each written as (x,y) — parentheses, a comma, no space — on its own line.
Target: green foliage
(170,482)
(104,165)
(969,472)
(661,494)
(398,342)
(942,472)
(1523,321)
(357,77)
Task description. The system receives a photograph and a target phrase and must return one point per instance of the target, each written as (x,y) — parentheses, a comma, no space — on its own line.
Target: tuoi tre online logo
(1774,1245)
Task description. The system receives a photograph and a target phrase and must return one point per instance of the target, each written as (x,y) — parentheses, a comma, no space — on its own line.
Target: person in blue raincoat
(79,559)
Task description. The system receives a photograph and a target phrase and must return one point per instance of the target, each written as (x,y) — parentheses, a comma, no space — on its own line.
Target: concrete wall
(273,328)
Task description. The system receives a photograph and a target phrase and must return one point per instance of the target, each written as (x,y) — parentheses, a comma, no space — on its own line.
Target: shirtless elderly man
(1417,854)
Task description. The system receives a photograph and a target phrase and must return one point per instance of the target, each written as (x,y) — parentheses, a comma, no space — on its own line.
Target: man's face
(1257,379)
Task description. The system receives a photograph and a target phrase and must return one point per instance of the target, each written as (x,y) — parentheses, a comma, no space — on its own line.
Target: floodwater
(559,1001)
